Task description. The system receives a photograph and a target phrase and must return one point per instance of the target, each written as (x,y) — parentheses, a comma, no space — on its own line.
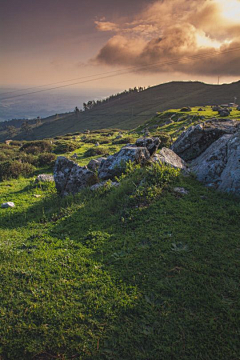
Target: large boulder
(152,144)
(219,165)
(238,108)
(115,164)
(196,139)
(70,178)
(168,157)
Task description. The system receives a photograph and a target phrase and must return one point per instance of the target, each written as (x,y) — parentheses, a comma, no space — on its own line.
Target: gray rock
(95,163)
(186,108)
(168,157)
(180,190)
(120,136)
(152,144)
(115,164)
(219,165)
(70,178)
(8,204)
(238,108)
(44,178)
(216,108)
(97,144)
(168,122)
(196,139)
(224,112)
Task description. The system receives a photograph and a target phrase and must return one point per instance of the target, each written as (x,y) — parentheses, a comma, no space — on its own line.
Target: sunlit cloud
(167,30)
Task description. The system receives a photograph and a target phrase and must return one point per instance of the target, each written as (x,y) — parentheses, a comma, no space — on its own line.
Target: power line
(123,72)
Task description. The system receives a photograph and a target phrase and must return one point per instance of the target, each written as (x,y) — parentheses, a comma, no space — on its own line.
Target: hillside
(134,109)
(137,271)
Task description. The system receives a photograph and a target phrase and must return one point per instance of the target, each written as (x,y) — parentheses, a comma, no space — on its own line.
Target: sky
(149,42)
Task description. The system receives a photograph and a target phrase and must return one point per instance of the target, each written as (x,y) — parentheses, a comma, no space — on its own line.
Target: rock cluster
(219,165)
(70,178)
(152,144)
(212,150)
(196,139)
(115,164)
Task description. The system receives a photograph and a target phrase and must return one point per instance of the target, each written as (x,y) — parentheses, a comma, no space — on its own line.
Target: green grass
(134,272)
(183,120)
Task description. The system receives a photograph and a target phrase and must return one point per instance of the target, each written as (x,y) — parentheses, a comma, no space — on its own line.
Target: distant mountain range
(132,109)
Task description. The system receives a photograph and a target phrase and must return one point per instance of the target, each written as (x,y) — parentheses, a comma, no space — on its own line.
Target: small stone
(37,196)
(181,190)
(44,178)
(8,205)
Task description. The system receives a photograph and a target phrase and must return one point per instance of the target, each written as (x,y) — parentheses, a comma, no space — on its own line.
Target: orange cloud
(180,29)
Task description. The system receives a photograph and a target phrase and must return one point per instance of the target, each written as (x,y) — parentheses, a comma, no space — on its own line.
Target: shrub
(14,169)
(126,140)
(165,139)
(7,154)
(65,146)
(89,140)
(46,159)
(16,143)
(139,186)
(28,158)
(104,141)
(96,151)
(36,147)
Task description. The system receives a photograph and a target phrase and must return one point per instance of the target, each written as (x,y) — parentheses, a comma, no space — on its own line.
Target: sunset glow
(230,10)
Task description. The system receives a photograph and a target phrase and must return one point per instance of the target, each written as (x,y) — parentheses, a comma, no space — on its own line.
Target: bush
(47,159)
(16,143)
(140,186)
(65,146)
(28,158)
(165,139)
(89,140)
(96,151)
(14,169)
(104,141)
(126,140)
(7,154)
(36,147)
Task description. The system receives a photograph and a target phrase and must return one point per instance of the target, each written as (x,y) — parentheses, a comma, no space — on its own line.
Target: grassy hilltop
(133,109)
(135,272)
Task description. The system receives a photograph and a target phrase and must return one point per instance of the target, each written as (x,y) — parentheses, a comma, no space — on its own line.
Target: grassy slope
(94,277)
(134,109)
(109,276)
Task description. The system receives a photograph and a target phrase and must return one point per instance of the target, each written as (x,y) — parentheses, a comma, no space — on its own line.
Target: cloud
(106,26)
(187,36)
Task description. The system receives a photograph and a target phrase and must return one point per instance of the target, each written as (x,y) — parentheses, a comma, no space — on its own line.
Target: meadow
(134,272)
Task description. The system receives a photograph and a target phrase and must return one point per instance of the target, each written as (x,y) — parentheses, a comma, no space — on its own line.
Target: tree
(38,121)
(26,127)
(11,130)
